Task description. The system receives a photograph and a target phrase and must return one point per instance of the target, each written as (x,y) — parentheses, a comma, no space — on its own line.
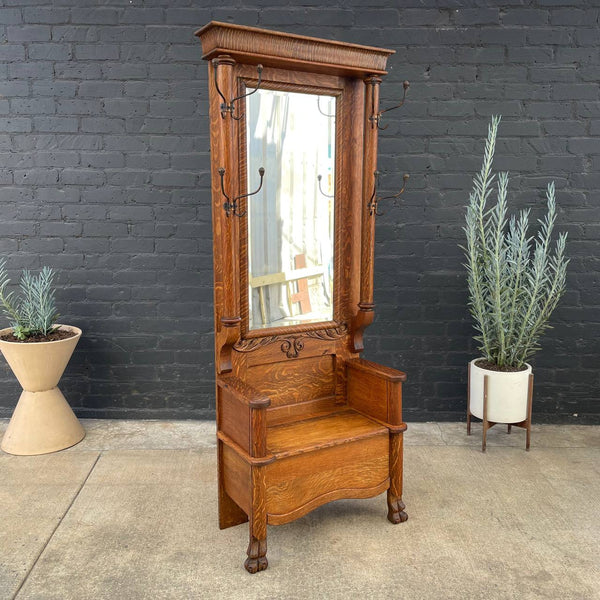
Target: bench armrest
(375,391)
(367,366)
(243,392)
(241,415)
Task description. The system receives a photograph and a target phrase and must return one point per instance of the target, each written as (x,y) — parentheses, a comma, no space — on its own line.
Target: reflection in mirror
(290,223)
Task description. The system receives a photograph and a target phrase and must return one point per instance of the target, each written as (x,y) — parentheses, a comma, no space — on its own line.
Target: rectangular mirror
(290,221)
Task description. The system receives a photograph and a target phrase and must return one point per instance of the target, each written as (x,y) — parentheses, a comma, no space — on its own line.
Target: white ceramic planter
(43,420)
(507,394)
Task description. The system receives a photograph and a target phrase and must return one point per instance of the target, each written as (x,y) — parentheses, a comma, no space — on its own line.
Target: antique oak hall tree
(302,420)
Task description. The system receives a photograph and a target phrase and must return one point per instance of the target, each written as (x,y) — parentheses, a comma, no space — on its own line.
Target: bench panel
(296,485)
(292,381)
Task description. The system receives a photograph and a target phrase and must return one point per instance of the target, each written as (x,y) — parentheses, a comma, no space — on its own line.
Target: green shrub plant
(515,280)
(33,311)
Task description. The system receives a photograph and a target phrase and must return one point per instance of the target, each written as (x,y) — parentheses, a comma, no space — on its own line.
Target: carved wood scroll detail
(333,333)
(292,345)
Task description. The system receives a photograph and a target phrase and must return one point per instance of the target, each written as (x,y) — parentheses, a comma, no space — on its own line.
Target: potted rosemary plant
(515,281)
(37,350)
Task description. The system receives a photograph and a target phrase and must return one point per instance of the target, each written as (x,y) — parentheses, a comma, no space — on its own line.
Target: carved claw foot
(257,556)
(254,565)
(396,512)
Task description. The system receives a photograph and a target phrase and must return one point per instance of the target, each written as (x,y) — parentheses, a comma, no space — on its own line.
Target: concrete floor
(131,513)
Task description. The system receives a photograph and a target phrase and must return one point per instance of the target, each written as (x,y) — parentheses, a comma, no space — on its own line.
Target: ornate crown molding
(253,45)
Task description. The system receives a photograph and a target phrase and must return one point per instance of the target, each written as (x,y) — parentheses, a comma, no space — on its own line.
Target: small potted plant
(37,350)
(515,281)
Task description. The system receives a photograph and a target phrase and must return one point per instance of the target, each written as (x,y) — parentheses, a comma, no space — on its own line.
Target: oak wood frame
(301,418)
(301,83)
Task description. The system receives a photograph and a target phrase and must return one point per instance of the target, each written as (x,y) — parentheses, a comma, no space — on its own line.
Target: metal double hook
(231,206)
(375,118)
(229,107)
(374,201)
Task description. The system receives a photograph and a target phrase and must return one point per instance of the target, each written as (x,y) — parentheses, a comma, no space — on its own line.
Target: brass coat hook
(375,118)
(373,203)
(319,177)
(229,107)
(231,206)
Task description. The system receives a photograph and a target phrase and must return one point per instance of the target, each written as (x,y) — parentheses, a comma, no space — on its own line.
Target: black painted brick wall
(104,160)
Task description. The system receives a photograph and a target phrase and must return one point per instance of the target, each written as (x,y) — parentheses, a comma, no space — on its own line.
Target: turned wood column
(366,306)
(224,150)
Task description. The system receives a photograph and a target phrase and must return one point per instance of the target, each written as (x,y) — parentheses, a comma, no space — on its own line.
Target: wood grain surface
(300,411)
(255,45)
(299,481)
(294,381)
(396,513)
(230,513)
(342,427)
(234,419)
(237,478)
(368,394)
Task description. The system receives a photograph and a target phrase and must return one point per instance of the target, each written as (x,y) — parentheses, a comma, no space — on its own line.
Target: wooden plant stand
(526,424)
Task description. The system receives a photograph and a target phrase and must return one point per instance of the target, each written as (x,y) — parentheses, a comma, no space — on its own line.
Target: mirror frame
(298,82)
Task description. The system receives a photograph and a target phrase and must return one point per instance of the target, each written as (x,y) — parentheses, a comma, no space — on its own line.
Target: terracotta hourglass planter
(42,421)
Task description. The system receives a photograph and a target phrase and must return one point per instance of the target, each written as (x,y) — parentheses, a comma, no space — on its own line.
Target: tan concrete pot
(43,420)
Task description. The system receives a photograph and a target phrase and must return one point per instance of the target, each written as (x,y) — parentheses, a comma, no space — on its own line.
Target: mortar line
(37,558)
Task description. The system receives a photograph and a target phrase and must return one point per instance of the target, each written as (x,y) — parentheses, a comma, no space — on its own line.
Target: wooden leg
(469,400)
(257,555)
(257,548)
(230,514)
(529,405)
(396,507)
(509,428)
(485,407)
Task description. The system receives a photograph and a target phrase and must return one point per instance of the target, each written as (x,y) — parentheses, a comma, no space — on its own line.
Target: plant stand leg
(485,414)
(396,507)
(469,400)
(257,548)
(529,405)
